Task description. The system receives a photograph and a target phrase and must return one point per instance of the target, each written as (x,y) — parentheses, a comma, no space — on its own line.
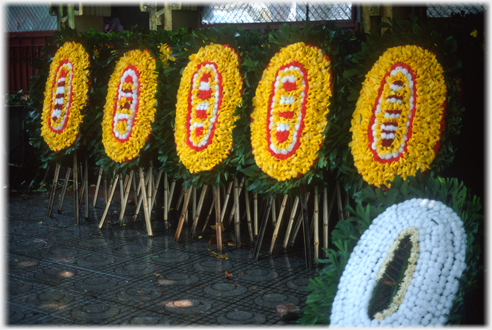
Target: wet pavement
(62,274)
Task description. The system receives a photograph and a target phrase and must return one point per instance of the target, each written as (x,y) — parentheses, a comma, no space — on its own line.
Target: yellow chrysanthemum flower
(399,117)
(208,94)
(65,95)
(130,105)
(290,108)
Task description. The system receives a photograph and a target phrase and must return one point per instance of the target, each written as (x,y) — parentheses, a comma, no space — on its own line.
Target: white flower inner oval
(391,122)
(61,97)
(203,105)
(286,110)
(126,105)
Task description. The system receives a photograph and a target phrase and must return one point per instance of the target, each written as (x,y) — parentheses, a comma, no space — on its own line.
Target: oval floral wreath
(65,95)
(130,105)
(290,109)
(210,90)
(436,260)
(399,117)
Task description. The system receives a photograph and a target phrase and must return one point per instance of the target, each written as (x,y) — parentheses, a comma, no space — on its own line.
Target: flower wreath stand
(60,112)
(291,106)
(209,92)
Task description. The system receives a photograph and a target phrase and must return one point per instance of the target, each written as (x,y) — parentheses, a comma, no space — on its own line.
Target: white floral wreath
(424,297)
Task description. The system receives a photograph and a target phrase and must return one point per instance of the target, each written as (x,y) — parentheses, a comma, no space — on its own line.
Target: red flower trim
(136,106)
(190,108)
(53,89)
(303,110)
(373,117)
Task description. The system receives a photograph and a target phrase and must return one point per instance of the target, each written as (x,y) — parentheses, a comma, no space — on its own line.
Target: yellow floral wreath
(210,90)
(130,105)
(290,109)
(65,95)
(399,117)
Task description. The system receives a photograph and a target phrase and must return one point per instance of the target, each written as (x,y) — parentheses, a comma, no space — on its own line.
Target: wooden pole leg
(145,206)
(291,222)
(218,224)
(299,222)
(248,217)
(108,204)
(315,224)
(96,193)
(53,189)
(277,226)
(166,197)
(64,191)
(198,211)
(76,189)
(183,213)
(237,227)
(263,227)
(307,245)
(125,198)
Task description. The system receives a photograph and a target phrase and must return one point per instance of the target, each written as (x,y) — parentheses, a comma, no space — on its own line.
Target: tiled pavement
(61,274)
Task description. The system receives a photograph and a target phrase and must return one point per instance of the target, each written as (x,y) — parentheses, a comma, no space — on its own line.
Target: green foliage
(322,289)
(17,98)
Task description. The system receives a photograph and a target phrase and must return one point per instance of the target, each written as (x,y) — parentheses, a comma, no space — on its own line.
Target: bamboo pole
(188,193)
(209,212)
(298,223)
(180,198)
(105,188)
(122,193)
(237,228)
(171,193)
(108,204)
(325,220)
(198,211)
(82,188)
(76,189)
(53,189)
(316,233)
(307,244)
(96,194)
(156,188)
(277,226)
(291,222)
(233,210)
(248,215)
(142,185)
(218,225)
(125,197)
(65,185)
(255,213)
(229,188)
(263,227)
(339,201)
(144,200)
(86,174)
(150,189)
(311,228)
(166,188)
(274,213)
(134,185)
(193,204)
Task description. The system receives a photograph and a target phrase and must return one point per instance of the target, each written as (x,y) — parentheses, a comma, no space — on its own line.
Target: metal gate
(23,47)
